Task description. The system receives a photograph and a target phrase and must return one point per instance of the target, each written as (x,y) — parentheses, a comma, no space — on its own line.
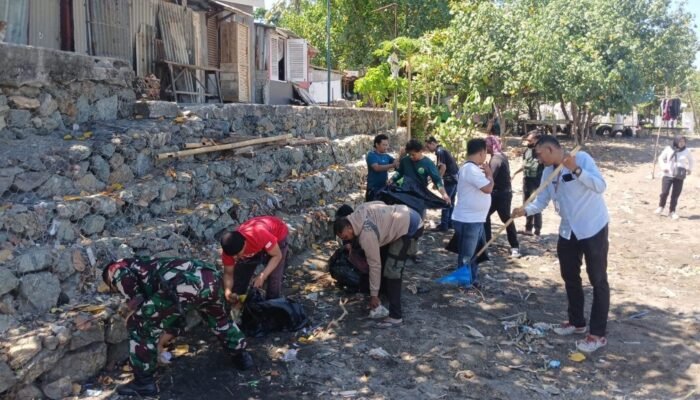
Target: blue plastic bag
(462,276)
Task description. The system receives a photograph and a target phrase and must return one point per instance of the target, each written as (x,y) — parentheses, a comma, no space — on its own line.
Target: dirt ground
(456,344)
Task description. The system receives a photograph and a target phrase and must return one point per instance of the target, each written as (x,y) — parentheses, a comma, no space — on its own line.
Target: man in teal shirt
(379,162)
(418,167)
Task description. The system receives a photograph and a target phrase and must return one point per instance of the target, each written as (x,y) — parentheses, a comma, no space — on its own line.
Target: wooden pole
(221,147)
(529,200)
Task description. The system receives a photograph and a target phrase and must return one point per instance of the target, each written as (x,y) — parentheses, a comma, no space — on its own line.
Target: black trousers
(595,250)
(500,203)
(244,270)
(675,187)
(529,186)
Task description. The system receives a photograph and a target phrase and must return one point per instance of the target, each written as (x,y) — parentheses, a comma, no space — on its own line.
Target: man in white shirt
(474,187)
(577,193)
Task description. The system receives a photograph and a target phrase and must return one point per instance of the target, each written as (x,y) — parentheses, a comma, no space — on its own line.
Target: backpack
(345,274)
(261,316)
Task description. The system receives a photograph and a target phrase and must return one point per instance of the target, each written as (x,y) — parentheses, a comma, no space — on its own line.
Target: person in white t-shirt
(474,187)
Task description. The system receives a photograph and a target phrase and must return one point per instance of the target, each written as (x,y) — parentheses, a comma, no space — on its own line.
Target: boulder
(7,377)
(29,392)
(48,105)
(44,361)
(23,350)
(58,389)
(100,168)
(7,176)
(36,259)
(156,109)
(79,152)
(8,281)
(95,332)
(116,330)
(7,322)
(81,364)
(93,224)
(18,118)
(56,185)
(24,103)
(28,181)
(40,290)
(106,109)
(90,184)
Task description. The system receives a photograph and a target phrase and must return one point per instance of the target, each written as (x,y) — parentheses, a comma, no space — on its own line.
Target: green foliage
(377,86)
(454,133)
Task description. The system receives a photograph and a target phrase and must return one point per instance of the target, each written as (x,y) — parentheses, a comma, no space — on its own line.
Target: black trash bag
(261,316)
(413,195)
(345,274)
(453,246)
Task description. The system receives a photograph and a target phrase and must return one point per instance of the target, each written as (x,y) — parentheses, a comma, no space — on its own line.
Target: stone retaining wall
(44,90)
(66,205)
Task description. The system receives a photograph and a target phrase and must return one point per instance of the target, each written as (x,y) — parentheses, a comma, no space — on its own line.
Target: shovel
(529,200)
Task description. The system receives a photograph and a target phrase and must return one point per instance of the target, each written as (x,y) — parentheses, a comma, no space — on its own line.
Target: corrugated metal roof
(250,3)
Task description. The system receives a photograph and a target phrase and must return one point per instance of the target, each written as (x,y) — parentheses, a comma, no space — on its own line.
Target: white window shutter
(297,63)
(274,58)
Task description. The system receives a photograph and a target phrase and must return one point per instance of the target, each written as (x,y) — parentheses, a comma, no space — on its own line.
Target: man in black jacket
(447,166)
(502,194)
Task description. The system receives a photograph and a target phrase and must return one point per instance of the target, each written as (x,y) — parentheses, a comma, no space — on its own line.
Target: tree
(601,56)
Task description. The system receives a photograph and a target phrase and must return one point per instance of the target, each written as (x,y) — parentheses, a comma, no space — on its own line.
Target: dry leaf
(464,375)
(68,137)
(295,174)
(181,350)
(76,389)
(577,357)
(180,120)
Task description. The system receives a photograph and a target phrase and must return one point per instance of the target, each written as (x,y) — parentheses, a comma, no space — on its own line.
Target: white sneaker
(659,210)
(515,252)
(591,344)
(674,216)
(566,329)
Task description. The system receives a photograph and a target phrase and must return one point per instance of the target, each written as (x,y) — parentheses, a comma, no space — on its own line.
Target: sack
(345,274)
(680,173)
(262,316)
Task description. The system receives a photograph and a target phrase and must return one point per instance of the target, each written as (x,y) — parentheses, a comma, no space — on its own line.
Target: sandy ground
(456,344)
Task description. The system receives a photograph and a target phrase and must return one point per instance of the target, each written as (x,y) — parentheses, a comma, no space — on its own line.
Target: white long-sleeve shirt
(579,201)
(668,163)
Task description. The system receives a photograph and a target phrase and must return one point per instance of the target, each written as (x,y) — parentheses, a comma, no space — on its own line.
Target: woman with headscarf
(676,161)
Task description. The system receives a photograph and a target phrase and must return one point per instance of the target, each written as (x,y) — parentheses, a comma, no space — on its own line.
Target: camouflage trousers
(189,289)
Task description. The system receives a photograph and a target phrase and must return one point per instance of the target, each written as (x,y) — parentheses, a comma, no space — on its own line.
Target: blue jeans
(470,236)
(446,217)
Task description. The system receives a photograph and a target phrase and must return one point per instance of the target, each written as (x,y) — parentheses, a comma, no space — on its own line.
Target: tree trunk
(531,111)
(576,117)
(563,108)
(408,73)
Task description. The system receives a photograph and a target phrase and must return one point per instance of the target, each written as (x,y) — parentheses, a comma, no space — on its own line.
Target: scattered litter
(528,330)
(413,288)
(348,393)
(554,364)
(543,326)
(290,355)
(577,357)
(379,312)
(312,296)
(165,357)
(379,353)
(465,375)
(632,342)
(93,392)
(181,350)
(461,277)
(471,331)
(638,315)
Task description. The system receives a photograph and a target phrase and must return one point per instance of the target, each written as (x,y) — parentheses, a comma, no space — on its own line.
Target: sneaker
(674,216)
(659,210)
(591,343)
(566,329)
(515,252)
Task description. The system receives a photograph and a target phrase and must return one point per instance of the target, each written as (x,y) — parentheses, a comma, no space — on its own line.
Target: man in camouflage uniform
(159,292)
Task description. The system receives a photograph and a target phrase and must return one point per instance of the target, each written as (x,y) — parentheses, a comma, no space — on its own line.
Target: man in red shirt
(260,240)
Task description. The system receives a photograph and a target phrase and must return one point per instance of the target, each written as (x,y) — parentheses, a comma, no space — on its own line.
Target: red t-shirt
(260,233)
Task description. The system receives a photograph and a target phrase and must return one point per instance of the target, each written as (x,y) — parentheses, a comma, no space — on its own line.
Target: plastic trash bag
(462,276)
(346,275)
(262,316)
(413,195)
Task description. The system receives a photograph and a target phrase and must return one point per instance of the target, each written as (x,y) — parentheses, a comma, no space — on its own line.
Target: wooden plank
(306,142)
(145,50)
(202,67)
(176,29)
(243,59)
(231,146)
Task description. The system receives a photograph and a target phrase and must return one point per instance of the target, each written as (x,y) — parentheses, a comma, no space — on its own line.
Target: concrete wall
(43,90)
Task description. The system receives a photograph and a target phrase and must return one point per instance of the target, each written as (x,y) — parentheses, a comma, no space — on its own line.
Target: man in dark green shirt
(418,167)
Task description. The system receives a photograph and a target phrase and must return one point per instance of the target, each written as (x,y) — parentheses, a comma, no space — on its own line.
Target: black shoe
(243,360)
(416,259)
(145,386)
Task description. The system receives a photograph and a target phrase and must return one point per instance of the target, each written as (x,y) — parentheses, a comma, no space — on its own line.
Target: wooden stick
(529,200)
(202,143)
(305,142)
(221,147)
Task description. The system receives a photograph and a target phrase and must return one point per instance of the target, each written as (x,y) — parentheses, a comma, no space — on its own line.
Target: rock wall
(68,205)
(43,90)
